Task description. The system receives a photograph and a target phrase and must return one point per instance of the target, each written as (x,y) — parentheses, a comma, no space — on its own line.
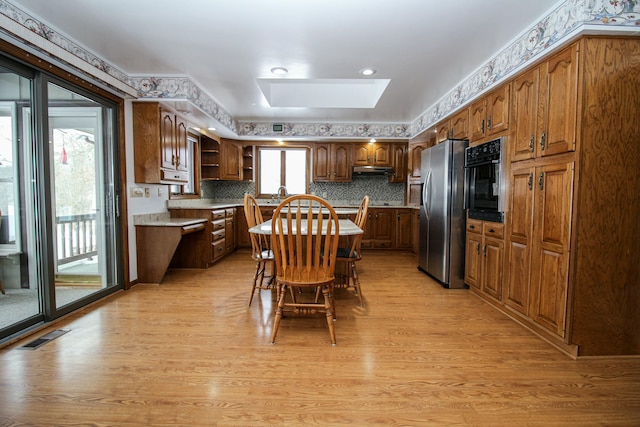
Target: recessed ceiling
(323,93)
(421,49)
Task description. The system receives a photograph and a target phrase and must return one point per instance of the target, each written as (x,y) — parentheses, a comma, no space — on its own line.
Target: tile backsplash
(377,187)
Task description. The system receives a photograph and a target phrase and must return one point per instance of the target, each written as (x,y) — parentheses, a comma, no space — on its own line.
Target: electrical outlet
(136,192)
(159,191)
(324,194)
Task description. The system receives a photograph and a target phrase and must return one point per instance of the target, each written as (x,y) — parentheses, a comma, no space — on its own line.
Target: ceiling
(420,49)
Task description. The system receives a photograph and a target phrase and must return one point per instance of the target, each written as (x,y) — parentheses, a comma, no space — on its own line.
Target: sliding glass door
(58,197)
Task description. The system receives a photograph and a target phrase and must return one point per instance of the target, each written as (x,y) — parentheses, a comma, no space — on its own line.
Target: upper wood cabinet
(372,154)
(332,162)
(399,155)
(160,138)
(231,160)
(545,108)
(457,127)
(490,115)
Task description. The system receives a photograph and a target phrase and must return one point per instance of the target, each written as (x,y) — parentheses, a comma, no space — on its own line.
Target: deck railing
(76,237)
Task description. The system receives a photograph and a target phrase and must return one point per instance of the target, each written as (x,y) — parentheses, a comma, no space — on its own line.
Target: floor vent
(38,342)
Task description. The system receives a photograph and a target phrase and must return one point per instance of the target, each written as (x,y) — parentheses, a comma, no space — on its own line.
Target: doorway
(58,198)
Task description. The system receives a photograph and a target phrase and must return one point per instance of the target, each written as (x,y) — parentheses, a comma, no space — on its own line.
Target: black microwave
(485,181)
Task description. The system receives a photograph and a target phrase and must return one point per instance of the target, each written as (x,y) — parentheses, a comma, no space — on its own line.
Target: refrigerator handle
(426,195)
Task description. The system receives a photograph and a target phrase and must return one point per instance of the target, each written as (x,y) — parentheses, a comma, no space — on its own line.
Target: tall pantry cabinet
(573,223)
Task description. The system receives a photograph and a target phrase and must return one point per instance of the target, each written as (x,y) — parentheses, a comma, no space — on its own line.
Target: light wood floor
(190,352)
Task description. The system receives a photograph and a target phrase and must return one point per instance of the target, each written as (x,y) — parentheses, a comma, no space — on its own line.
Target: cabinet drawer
(229,213)
(217,235)
(493,229)
(474,225)
(216,215)
(217,225)
(218,249)
(167,175)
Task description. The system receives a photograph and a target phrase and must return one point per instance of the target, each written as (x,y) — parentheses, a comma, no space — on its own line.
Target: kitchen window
(286,167)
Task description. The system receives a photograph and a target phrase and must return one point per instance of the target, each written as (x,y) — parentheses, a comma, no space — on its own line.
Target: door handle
(541,181)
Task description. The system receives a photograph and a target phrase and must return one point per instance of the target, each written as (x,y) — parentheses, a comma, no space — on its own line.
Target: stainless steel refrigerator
(442,218)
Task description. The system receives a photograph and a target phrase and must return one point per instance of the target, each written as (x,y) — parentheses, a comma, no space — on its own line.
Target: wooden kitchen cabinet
(243,239)
(230,230)
(332,162)
(490,115)
(571,250)
(399,154)
(545,107)
(457,127)
(403,228)
(538,243)
(231,166)
(160,144)
(372,154)
(379,233)
(484,255)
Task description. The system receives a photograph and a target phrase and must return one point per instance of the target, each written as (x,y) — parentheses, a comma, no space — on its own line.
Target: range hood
(373,170)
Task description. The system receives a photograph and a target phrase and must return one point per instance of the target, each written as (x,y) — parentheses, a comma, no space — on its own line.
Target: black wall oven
(484,165)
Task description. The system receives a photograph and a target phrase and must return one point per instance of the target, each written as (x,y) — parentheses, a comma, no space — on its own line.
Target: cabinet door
(403,229)
(519,239)
(399,163)
(472,259)
(491,271)
(552,207)
(498,110)
(415,159)
(231,158)
(362,155)
(381,154)
(559,96)
(367,236)
(525,111)
(182,139)
(230,233)
(383,228)
(442,131)
(460,125)
(477,115)
(340,162)
(167,139)
(321,162)
(243,239)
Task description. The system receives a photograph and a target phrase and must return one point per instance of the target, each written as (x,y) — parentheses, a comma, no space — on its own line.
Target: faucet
(282,187)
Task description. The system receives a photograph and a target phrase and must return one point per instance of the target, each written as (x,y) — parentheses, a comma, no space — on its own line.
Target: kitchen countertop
(172,222)
(347,207)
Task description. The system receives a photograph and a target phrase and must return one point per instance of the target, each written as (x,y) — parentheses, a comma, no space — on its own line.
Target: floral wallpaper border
(565,20)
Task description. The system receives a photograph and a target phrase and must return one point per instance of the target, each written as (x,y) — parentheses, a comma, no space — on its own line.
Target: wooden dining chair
(351,255)
(304,238)
(261,251)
